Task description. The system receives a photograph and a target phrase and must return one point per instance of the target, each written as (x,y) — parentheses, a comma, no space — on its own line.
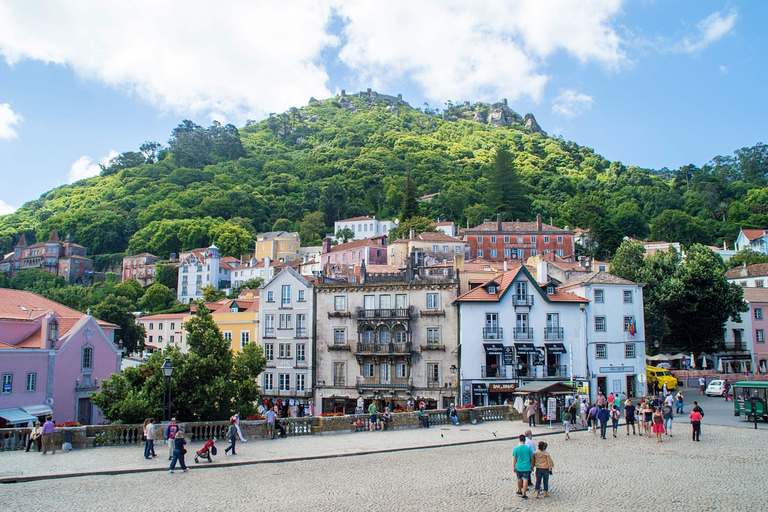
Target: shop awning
(556,348)
(541,386)
(494,349)
(525,348)
(37,410)
(16,416)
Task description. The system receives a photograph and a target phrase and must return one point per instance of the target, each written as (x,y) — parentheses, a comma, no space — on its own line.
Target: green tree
(344,235)
(403,230)
(36,280)
(677,226)
(119,311)
(409,206)
(282,225)
(167,275)
(312,228)
(747,256)
(251,284)
(158,297)
(505,193)
(131,289)
(233,240)
(211,294)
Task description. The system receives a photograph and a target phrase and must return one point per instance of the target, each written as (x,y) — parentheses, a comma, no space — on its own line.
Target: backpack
(615,414)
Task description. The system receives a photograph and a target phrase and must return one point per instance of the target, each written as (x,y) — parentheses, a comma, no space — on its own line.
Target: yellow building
(277,246)
(238,320)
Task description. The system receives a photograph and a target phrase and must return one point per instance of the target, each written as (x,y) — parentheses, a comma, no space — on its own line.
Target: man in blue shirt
(603,416)
(522,458)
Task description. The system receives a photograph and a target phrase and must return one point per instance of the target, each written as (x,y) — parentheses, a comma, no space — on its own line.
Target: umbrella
(720,366)
(659,357)
(679,355)
(693,361)
(703,363)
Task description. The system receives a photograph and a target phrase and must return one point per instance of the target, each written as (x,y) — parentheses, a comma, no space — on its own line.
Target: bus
(749,399)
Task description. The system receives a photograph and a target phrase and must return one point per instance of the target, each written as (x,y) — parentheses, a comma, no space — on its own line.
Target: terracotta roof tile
(597,278)
(438,236)
(756,294)
(759,269)
(515,227)
(365,242)
(356,219)
(752,234)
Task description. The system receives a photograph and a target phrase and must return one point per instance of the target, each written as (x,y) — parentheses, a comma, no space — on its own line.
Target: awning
(37,410)
(537,386)
(16,416)
(555,348)
(494,349)
(525,348)
(479,388)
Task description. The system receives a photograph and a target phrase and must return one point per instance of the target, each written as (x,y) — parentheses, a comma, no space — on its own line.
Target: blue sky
(650,83)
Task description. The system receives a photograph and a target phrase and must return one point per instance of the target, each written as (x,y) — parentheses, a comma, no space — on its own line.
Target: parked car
(715,388)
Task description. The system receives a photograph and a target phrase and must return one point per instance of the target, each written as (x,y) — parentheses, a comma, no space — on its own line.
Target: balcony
(524,333)
(372,383)
(433,384)
(493,333)
(384,314)
(522,300)
(432,346)
(383,348)
(553,333)
(493,372)
(557,370)
(732,346)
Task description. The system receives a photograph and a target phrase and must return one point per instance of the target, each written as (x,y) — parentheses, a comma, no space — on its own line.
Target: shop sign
(509,356)
(479,388)
(617,369)
(507,387)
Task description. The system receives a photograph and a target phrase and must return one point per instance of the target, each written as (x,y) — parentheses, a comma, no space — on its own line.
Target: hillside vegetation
(343,157)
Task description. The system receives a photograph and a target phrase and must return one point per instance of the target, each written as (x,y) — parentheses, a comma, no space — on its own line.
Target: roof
(597,278)
(516,227)
(447,223)
(365,242)
(759,269)
(276,234)
(165,316)
(753,234)
(245,305)
(23,305)
(54,237)
(537,386)
(382,269)
(504,281)
(437,236)
(141,255)
(756,294)
(356,219)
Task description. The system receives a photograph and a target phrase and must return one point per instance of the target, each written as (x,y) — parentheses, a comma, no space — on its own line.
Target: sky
(651,83)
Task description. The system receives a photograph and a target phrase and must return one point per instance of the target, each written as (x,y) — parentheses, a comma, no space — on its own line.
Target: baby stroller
(206,452)
(280,429)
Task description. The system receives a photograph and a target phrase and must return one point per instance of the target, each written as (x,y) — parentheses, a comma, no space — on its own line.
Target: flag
(633,329)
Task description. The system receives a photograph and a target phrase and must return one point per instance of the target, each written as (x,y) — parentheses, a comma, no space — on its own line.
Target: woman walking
(179,451)
(648,418)
(615,415)
(680,402)
(543,463)
(695,417)
(658,424)
(567,424)
(149,435)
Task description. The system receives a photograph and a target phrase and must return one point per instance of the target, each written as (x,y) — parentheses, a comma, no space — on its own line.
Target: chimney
(538,222)
(326,245)
(505,266)
(413,232)
(498,222)
(541,272)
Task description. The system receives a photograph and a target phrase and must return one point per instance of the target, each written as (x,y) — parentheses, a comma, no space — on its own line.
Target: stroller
(206,452)
(280,429)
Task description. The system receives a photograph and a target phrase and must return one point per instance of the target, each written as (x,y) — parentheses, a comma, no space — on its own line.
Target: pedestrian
(423,416)
(615,415)
(385,418)
(179,451)
(453,414)
(664,389)
(567,424)
(695,418)
(600,402)
(629,416)
(270,417)
(35,436)
(658,424)
(522,458)
(680,402)
(583,409)
(574,411)
(603,416)
(530,412)
(702,385)
(529,442)
(667,414)
(149,435)
(611,400)
(543,463)
(170,434)
(669,400)
(236,417)
(726,389)
(648,418)
(232,435)
(48,428)
(593,418)
(373,417)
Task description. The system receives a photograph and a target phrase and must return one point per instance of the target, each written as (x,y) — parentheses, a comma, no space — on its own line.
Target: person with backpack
(615,415)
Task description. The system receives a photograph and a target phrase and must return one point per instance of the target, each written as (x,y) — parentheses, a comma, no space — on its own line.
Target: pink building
(372,251)
(51,358)
(65,259)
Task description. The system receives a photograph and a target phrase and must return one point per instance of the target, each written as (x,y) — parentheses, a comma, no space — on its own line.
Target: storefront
(541,391)
(499,392)
(479,393)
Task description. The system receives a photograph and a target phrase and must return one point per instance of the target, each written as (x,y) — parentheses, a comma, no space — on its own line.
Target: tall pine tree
(409,207)
(505,193)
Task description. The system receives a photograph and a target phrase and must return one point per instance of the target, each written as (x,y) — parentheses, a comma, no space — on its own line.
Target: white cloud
(193,57)
(571,103)
(5,208)
(8,119)
(723,70)
(711,28)
(84,167)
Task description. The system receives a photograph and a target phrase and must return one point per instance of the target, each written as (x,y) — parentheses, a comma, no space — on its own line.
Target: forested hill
(349,156)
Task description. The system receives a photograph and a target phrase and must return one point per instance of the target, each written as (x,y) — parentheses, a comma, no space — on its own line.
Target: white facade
(755,239)
(163,331)
(365,227)
(286,318)
(198,269)
(252,270)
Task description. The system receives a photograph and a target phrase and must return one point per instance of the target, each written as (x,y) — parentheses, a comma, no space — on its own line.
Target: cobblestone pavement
(725,471)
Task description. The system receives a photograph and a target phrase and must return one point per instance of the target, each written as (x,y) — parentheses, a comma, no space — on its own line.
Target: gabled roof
(438,236)
(753,234)
(759,269)
(505,280)
(447,223)
(23,305)
(600,277)
(244,305)
(54,238)
(753,295)
(374,241)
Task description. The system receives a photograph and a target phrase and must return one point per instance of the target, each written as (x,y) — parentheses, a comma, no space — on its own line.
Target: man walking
(600,402)
(603,416)
(702,385)
(270,417)
(629,416)
(667,414)
(232,435)
(48,429)
(522,458)
(171,432)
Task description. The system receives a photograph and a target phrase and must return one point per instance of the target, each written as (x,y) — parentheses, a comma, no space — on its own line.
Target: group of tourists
(42,436)
(527,460)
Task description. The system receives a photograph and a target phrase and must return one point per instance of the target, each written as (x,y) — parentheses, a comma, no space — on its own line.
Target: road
(716,410)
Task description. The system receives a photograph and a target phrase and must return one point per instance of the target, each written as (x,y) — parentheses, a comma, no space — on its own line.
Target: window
(533,252)
(285,321)
(151,326)
(546,239)
(601,351)
(269,326)
(559,252)
(457,249)
(507,253)
(227,336)
(600,323)
(533,239)
(284,381)
(269,352)
(301,353)
(479,253)
(599,297)
(368,369)
(435,248)
(433,335)
(550,290)
(559,239)
(87,358)
(493,253)
(758,313)
(493,239)
(339,374)
(339,303)
(339,337)
(159,339)
(245,338)
(385,373)
(629,324)
(53,330)
(301,296)
(284,350)
(759,283)
(172,340)
(629,350)
(479,239)
(301,326)
(433,301)
(446,248)
(401,301)
(743,284)
(285,296)
(160,326)
(31,382)
(300,382)
(627,296)
(491,289)
(506,239)
(149,340)
(433,374)
(7,383)
(401,371)
(173,326)
(270,296)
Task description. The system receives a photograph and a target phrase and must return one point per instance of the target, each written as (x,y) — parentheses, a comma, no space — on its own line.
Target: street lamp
(167,372)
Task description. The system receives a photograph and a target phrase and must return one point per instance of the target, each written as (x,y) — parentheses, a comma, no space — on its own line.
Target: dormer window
(53,330)
(550,290)
(234,308)
(491,289)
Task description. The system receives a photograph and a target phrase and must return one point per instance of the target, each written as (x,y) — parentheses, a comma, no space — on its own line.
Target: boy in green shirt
(522,458)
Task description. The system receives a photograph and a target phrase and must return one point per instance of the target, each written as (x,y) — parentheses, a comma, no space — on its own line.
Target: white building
(199,268)
(286,317)
(748,276)
(365,227)
(449,228)
(755,239)
(163,331)
(253,269)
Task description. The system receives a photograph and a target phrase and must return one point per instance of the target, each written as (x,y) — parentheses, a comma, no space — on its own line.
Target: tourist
(453,414)
(270,417)
(648,418)
(695,418)
(543,463)
(603,416)
(629,416)
(600,402)
(170,435)
(615,415)
(385,418)
(658,424)
(530,412)
(592,417)
(669,400)
(47,431)
(529,442)
(567,424)
(726,389)
(149,434)
(702,385)
(574,411)
(423,416)
(178,451)
(667,414)
(373,416)
(522,458)
(232,435)
(236,417)
(611,401)
(664,389)
(35,436)
(583,409)
(680,402)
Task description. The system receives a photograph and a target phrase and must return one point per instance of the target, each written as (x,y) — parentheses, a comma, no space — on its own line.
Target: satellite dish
(49,402)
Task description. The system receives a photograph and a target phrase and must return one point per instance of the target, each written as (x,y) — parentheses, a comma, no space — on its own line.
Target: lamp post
(455,369)
(167,372)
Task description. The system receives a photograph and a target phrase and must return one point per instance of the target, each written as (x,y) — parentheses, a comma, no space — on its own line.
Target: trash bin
(473,416)
(66,440)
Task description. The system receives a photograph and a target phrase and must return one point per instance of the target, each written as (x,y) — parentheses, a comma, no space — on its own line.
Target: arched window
(401,335)
(383,335)
(368,335)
